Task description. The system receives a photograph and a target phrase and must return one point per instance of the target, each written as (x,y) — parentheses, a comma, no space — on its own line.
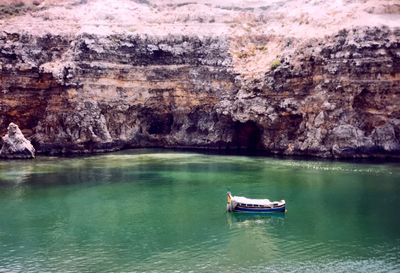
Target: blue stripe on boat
(259,210)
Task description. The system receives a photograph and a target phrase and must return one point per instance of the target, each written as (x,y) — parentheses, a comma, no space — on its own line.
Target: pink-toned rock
(294,77)
(15,145)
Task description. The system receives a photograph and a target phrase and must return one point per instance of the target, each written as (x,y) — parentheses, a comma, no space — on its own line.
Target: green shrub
(275,63)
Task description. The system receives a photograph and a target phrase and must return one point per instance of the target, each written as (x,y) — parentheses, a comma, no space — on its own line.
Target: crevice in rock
(361,100)
(294,122)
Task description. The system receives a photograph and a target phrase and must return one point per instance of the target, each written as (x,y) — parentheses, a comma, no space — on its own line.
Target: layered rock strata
(337,96)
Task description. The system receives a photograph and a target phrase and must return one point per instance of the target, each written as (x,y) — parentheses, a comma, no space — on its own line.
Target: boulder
(385,137)
(15,145)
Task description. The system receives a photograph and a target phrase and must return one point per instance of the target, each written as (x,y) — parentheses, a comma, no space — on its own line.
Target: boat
(247,205)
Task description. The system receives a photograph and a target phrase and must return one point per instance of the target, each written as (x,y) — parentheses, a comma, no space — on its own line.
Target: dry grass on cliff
(253,55)
(12,8)
(259,31)
(292,18)
(15,8)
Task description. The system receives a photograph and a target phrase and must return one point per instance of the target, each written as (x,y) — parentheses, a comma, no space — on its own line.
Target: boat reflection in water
(257,233)
(247,219)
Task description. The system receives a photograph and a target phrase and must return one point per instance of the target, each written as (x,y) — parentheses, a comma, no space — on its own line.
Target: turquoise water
(152,211)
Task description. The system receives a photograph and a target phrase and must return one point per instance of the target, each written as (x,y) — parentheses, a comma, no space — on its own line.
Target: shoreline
(221,152)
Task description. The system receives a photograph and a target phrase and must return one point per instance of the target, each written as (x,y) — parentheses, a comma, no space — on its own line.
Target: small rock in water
(15,145)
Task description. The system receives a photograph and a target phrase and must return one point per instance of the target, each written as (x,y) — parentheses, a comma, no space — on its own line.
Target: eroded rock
(331,97)
(15,145)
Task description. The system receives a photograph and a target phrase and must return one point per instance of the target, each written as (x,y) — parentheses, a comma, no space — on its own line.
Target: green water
(151,211)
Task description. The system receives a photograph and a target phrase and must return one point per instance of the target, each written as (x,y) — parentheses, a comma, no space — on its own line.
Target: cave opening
(161,124)
(247,136)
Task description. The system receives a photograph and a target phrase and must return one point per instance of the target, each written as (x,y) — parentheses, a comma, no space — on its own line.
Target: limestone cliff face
(337,97)
(91,93)
(332,97)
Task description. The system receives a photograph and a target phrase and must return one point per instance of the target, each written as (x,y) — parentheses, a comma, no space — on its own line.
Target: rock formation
(334,94)
(15,145)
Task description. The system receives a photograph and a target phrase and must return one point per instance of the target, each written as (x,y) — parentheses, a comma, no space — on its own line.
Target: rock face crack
(336,97)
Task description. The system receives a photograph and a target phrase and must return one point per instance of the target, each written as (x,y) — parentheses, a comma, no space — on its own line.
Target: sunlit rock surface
(15,145)
(95,76)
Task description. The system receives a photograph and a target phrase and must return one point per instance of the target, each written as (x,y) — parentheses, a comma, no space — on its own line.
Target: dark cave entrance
(161,124)
(247,136)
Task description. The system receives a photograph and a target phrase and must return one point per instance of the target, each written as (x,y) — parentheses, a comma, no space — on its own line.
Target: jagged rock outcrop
(338,97)
(328,96)
(15,145)
(103,93)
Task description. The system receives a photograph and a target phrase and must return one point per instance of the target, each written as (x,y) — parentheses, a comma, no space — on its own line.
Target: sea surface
(164,211)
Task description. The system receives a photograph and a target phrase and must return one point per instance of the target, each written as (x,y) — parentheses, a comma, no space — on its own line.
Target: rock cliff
(335,97)
(335,94)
